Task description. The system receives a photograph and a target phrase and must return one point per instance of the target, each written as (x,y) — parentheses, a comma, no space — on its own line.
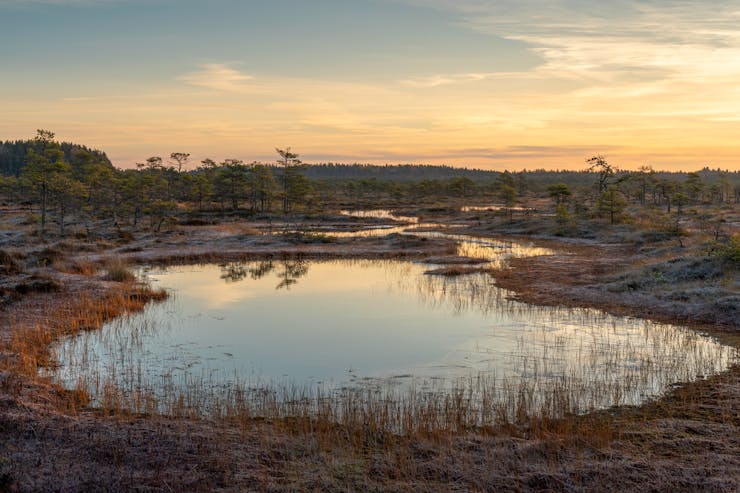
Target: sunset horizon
(473,84)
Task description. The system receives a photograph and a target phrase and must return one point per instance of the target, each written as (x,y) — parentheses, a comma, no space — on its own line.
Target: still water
(384,323)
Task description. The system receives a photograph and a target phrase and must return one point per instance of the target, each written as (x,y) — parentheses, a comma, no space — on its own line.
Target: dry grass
(29,349)
(540,403)
(671,446)
(686,441)
(369,416)
(117,270)
(76,266)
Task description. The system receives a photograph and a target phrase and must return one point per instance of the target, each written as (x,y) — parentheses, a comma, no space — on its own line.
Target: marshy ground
(52,440)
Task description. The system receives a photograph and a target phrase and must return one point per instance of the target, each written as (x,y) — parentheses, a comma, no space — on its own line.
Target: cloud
(575,155)
(657,78)
(638,58)
(80,99)
(579,38)
(219,77)
(520,152)
(445,79)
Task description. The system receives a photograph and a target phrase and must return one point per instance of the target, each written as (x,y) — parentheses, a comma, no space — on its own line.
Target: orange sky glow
(469,83)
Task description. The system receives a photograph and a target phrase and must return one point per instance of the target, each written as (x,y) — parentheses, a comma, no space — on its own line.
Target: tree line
(61,180)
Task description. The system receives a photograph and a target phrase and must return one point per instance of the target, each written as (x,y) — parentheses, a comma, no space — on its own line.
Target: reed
(561,390)
(29,349)
(559,396)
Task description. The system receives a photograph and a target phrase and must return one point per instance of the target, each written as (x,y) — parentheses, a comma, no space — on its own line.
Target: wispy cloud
(219,77)
(79,99)
(627,57)
(625,39)
(445,79)
(635,79)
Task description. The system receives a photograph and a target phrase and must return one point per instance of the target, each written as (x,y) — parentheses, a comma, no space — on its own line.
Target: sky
(493,84)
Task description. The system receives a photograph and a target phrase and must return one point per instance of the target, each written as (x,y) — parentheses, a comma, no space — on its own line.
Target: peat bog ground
(53,439)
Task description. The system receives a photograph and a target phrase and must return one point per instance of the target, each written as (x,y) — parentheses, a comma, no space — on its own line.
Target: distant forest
(398,173)
(538,178)
(64,180)
(14,155)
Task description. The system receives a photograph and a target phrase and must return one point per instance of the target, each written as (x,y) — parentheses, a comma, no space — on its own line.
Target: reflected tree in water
(290,271)
(233,271)
(261,269)
(237,271)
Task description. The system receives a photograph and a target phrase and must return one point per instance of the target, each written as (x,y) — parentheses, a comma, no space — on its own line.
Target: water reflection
(494,208)
(379,214)
(496,252)
(289,271)
(236,271)
(381,230)
(381,325)
(477,247)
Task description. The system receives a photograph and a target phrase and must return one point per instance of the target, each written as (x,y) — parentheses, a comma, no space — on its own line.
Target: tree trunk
(43,208)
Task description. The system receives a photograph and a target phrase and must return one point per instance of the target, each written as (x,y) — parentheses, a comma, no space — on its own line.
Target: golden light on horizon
(493,88)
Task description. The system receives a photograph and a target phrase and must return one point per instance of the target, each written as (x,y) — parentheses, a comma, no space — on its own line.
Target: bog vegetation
(74,225)
(61,182)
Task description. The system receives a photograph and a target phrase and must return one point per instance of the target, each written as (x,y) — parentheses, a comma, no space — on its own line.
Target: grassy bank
(686,441)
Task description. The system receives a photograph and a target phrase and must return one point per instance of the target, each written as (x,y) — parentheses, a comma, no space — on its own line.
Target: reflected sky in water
(343,322)
(379,214)
(493,250)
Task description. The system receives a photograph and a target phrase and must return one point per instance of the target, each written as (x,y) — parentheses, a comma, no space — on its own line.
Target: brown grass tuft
(117,270)
(26,351)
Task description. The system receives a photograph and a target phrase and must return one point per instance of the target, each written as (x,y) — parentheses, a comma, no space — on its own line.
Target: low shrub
(690,269)
(729,252)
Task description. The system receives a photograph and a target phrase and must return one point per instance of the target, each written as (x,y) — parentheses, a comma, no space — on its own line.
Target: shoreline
(679,408)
